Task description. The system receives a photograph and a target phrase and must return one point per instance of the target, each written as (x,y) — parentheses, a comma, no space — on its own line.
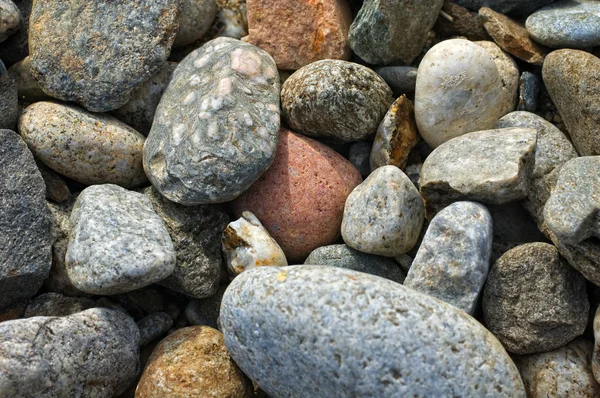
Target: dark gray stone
(529,90)
(216,127)
(359,155)
(401,79)
(518,7)
(9,100)
(154,326)
(55,304)
(96,53)
(25,243)
(205,312)
(15,48)
(309,331)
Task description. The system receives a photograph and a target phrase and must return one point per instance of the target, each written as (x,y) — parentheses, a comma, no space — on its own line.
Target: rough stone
(117,242)
(509,74)
(27,88)
(55,304)
(401,79)
(88,147)
(533,301)
(519,7)
(359,155)
(205,312)
(335,100)
(383,215)
(529,90)
(10,19)
(215,128)
(351,323)
(96,53)
(93,353)
(153,326)
(9,100)
(461,23)
(197,17)
(16,47)
(56,187)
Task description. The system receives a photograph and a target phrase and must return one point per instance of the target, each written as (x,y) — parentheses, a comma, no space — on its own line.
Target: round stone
(509,74)
(10,19)
(9,100)
(196,18)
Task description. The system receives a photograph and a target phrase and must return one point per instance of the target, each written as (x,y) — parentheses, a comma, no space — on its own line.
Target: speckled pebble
(10,19)
(153,326)
(9,100)
(196,18)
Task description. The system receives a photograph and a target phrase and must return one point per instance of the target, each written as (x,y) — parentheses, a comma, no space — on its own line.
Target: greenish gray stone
(10,19)
(9,100)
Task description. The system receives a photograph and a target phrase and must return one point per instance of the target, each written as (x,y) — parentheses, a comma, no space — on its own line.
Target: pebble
(567,23)
(350,323)
(343,256)
(383,215)
(453,260)
(529,90)
(56,187)
(27,88)
(385,31)
(10,19)
(90,148)
(205,312)
(335,100)
(196,18)
(520,7)
(396,136)
(299,33)
(55,304)
(215,129)
(154,326)
(533,300)
(117,242)
(16,47)
(93,353)
(509,74)
(300,199)
(460,80)
(359,154)
(247,244)
(192,362)
(564,372)
(570,77)
(461,23)
(196,233)
(401,79)
(25,241)
(596,353)
(9,105)
(96,53)
(511,36)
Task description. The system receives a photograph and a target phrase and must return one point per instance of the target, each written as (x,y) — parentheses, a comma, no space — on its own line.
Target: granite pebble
(10,19)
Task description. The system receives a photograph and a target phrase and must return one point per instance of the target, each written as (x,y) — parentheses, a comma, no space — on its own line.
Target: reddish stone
(300,199)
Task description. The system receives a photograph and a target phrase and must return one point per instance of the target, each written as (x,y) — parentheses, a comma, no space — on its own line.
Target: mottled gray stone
(529,90)
(343,256)
(96,53)
(15,48)
(299,342)
(335,100)
(93,353)
(216,127)
(55,304)
(520,7)
(25,243)
(27,88)
(205,312)
(196,18)
(392,31)
(10,19)
(9,100)
(401,79)
(196,234)
(383,215)
(533,301)
(509,74)
(454,258)
(154,326)
(117,242)
(567,23)
(359,154)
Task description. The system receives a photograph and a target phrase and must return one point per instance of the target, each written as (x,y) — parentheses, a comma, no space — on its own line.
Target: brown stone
(458,21)
(299,32)
(192,362)
(511,36)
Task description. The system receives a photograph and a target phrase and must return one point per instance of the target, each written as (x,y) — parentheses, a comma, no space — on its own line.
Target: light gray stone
(117,242)
(400,342)
(154,326)
(196,18)
(509,74)
(10,19)
(9,100)
(55,304)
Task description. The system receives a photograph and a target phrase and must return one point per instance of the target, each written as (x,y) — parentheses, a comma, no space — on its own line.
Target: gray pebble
(401,79)
(196,18)
(10,19)
(9,100)
(413,171)
(55,304)
(359,155)
(205,312)
(117,242)
(529,90)
(154,326)
(56,187)
(27,88)
(520,7)
(16,47)
(405,262)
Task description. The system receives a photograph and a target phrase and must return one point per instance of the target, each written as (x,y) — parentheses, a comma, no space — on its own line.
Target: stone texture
(205,312)
(383,215)
(359,154)
(520,7)
(153,326)
(461,23)
(596,353)
(400,342)
(96,53)
(56,187)
(509,74)
(117,242)
(25,245)
(192,362)
(215,128)
(10,19)
(529,90)
(533,301)
(297,33)
(401,79)
(460,80)
(570,77)
(300,199)
(15,48)
(196,18)
(196,233)
(27,88)
(392,31)
(93,353)
(55,304)
(453,260)
(335,100)
(9,105)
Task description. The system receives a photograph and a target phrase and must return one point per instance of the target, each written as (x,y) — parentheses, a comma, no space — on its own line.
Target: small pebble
(10,19)
(529,90)
(16,47)
(359,154)
(401,79)
(56,187)
(154,326)
(196,18)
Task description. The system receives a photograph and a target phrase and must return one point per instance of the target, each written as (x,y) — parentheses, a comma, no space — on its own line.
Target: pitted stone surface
(10,19)
(216,127)
(9,100)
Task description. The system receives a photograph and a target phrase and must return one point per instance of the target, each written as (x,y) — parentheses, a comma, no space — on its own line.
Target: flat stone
(350,323)
(215,129)
(533,301)
(460,80)
(495,167)
(300,199)
(192,362)
(205,312)
(519,7)
(55,304)
(529,90)
(396,136)
(570,77)
(383,215)
(453,260)
(25,243)
(96,53)
(88,147)
(343,256)
(564,372)
(359,154)
(28,89)
(196,233)
(392,31)
(16,47)
(298,33)
(90,353)
(567,23)
(401,79)
(10,19)
(117,242)
(197,17)
(153,326)
(9,100)
(509,74)
(461,23)
(511,36)
(335,100)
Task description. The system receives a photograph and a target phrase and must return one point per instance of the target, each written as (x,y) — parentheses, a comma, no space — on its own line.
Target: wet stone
(10,19)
